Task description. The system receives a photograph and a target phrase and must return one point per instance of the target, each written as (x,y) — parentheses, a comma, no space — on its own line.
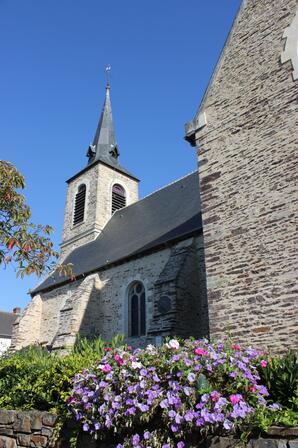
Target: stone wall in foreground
(26,429)
(21,429)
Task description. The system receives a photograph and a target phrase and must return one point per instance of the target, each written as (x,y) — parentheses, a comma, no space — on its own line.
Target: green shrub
(281,379)
(35,379)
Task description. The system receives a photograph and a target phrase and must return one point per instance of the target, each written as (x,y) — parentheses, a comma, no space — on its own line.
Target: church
(138,263)
(212,253)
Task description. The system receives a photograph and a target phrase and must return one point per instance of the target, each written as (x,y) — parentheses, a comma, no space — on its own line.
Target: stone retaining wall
(26,429)
(21,429)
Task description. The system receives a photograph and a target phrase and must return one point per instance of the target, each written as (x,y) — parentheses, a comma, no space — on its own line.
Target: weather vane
(108,74)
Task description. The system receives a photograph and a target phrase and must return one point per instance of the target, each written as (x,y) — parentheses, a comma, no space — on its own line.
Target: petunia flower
(174,344)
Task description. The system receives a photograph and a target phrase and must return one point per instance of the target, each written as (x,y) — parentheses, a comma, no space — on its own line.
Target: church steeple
(100,188)
(104,146)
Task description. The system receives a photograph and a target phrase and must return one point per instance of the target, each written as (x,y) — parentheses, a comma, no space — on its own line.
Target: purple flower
(191,377)
(135,440)
(263,390)
(188,362)
(164,404)
(187,390)
(180,444)
(147,435)
(108,422)
(144,407)
(204,398)
(178,419)
(228,424)
(274,406)
(85,427)
(200,422)
(215,395)
(189,416)
(174,428)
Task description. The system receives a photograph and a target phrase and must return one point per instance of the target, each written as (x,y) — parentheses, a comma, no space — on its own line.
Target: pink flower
(252,389)
(107,349)
(118,359)
(235,398)
(215,395)
(263,363)
(174,344)
(200,351)
(236,347)
(129,348)
(106,368)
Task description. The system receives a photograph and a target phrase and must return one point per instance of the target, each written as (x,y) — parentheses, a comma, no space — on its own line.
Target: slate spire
(104,146)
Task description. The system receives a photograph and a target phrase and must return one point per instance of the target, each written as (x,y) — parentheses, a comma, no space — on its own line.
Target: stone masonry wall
(26,328)
(97,305)
(26,429)
(99,180)
(247,164)
(21,429)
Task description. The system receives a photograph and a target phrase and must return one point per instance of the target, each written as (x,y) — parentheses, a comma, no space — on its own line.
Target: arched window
(137,309)
(118,197)
(79,206)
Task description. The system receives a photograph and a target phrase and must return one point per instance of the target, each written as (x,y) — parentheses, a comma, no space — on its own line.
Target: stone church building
(215,251)
(138,264)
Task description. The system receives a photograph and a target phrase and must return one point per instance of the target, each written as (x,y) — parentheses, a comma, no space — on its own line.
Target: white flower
(150,348)
(174,344)
(136,365)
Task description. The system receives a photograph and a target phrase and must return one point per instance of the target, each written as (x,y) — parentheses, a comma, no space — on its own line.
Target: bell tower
(99,189)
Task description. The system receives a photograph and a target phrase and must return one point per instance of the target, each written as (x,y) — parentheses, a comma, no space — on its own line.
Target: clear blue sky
(52,59)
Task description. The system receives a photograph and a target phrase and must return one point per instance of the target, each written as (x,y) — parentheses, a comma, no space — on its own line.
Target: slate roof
(104,147)
(6,322)
(168,214)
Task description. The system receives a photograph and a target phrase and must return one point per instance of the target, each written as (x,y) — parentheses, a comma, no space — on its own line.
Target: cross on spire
(108,74)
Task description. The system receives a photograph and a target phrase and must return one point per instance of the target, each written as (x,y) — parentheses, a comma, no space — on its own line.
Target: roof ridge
(155,191)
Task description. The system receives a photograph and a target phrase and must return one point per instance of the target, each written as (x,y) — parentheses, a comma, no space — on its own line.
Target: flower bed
(164,397)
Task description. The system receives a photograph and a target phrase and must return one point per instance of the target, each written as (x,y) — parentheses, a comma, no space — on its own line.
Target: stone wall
(21,429)
(97,305)
(99,180)
(246,135)
(26,328)
(26,429)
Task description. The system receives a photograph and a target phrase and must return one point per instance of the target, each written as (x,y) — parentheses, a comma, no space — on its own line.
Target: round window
(164,304)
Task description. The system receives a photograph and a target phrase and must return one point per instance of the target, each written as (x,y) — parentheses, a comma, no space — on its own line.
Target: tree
(23,243)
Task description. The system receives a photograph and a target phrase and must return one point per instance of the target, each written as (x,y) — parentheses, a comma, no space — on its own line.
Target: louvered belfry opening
(118,198)
(79,208)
